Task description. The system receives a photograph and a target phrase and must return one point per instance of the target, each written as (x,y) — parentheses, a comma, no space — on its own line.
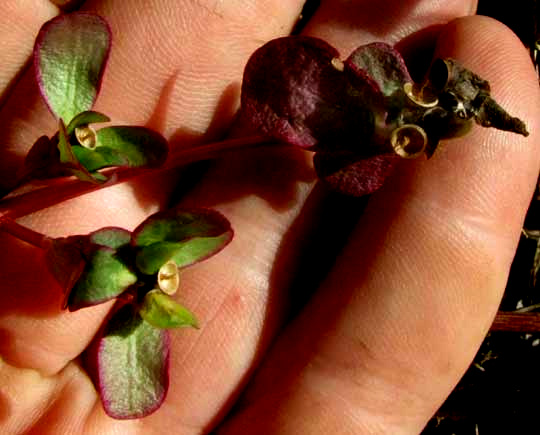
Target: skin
(381,339)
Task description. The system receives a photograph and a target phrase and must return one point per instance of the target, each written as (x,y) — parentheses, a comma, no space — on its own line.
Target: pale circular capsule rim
(408,87)
(399,150)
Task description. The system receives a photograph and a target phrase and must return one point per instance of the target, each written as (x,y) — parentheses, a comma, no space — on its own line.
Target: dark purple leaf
(295,90)
(347,174)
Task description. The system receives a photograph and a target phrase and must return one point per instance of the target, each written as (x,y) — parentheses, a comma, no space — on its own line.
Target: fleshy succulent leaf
(85,118)
(132,365)
(348,174)
(317,104)
(175,225)
(124,146)
(151,257)
(162,311)
(69,58)
(183,236)
(106,275)
(112,237)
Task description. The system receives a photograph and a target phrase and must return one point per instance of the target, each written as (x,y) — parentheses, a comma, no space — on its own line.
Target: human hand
(404,307)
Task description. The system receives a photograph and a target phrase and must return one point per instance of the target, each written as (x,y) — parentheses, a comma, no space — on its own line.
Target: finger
(406,307)
(348,24)
(19,24)
(250,280)
(165,72)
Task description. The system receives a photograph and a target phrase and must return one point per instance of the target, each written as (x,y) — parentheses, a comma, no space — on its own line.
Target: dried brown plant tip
(466,96)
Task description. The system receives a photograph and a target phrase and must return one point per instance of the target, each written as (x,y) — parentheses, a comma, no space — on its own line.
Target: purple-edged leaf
(294,89)
(124,146)
(106,275)
(183,236)
(345,173)
(162,311)
(70,161)
(69,57)
(85,118)
(89,268)
(132,366)
(382,64)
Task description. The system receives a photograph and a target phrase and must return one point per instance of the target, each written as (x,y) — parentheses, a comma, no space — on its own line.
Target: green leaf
(70,161)
(151,257)
(184,236)
(85,118)
(176,225)
(105,276)
(95,159)
(69,58)
(139,146)
(132,366)
(161,311)
(124,146)
(113,237)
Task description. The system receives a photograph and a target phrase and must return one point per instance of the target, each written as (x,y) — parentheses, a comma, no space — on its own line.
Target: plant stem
(23,233)
(518,322)
(62,189)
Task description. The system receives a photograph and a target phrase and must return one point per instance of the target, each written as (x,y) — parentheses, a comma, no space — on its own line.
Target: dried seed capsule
(86,136)
(409,141)
(420,96)
(169,278)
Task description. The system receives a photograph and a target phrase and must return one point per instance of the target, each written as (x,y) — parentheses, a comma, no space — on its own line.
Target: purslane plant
(70,56)
(359,116)
(140,269)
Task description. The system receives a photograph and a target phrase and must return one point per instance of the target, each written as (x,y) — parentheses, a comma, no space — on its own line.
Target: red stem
(56,191)
(23,233)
